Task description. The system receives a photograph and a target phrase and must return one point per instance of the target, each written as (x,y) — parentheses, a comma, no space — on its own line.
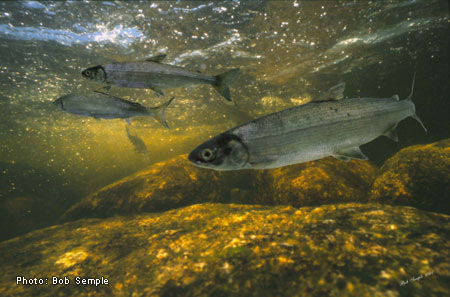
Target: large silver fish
(101,105)
(333,127)
(152,74)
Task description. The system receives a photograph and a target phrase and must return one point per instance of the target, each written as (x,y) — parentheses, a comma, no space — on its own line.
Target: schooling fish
(152,74)
(328,127)
(139,145)
(100,105)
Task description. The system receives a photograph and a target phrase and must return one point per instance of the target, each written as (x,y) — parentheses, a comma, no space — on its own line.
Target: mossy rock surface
(417,176)
(165,185)
(318,182)
(239,250)
(177,183)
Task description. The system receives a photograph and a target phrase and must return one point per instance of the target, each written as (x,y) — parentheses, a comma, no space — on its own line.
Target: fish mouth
(59,103)
(192,157)
(83,74)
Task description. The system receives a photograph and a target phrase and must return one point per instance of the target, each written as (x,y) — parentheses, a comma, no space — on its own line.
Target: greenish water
(287,51)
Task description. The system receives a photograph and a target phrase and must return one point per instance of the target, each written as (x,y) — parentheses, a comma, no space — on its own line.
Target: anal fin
(351,153)
(392,133)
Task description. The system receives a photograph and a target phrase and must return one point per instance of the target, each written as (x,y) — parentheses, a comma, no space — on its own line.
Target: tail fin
(222,81)
(334,93)
(158,112)
(414,116)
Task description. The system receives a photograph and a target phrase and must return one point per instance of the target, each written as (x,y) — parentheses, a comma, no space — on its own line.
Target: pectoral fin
(260,165)
(106,91)
(100,92)
(157,58)
(342,158)
(158,91)
(348,154)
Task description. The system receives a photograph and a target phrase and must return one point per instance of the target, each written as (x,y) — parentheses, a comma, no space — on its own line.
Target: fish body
(138,144)
(101,105)
(304,133)
(152,74)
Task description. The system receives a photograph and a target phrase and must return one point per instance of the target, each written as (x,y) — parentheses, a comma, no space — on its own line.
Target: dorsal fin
(157,58)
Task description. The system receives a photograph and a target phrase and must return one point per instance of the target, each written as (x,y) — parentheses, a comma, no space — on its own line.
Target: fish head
(223,152)
(96,73)
(59,103)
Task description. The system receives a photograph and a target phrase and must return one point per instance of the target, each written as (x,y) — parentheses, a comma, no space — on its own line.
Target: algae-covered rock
(177,183)
(236,250)
(319,182)
(165,185)
(417,176)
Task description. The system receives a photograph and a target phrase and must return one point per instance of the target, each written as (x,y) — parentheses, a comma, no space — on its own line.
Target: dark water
(287,51)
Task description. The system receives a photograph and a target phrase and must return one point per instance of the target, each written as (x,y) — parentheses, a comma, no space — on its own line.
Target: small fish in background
(100,105)
(328,126)
(138,143)
(152,74)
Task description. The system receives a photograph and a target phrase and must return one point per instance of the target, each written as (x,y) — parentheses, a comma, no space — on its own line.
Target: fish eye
(207,154)
(88,73)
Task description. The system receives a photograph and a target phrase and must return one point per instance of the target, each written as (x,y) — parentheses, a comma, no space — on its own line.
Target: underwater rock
(176,183)
(416,176)
(19,215)
(318,182)
(237,250)
(165,185)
